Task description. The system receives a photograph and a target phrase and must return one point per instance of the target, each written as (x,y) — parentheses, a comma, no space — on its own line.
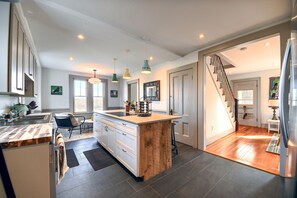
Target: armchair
(70,122)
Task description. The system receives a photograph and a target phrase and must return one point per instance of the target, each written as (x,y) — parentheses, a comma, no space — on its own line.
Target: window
(80,96)
(98,96)
(86,97)
(245,97)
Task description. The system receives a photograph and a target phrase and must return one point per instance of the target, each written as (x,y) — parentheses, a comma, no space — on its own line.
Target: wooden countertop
(155,117)
(23,135)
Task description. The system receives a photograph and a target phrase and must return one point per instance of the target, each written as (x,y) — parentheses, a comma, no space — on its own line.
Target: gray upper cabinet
(35,78)
(15,56)
(20,61)
(31,64)
(26,57)
(19,69)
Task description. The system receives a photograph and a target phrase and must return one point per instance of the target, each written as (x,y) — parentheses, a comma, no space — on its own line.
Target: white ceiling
(258,56)
(165,29)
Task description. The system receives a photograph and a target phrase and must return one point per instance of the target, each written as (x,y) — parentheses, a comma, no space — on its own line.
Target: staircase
(219,76)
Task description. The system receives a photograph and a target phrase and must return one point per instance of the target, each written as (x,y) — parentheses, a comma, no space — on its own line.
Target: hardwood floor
(247,146)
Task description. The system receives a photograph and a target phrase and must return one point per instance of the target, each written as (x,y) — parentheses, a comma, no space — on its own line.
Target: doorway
(249,66)
(247,92)
(181,96)
(133,90)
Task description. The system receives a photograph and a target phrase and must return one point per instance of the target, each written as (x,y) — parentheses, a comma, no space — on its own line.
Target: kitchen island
(141,144)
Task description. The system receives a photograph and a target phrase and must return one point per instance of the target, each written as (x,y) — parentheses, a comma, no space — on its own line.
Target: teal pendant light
(114,75)
(114,78)
(146,69)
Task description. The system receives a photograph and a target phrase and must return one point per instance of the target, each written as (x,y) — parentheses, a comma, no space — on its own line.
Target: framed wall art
(151,91)
(274,88)
(56,90)
(113,93)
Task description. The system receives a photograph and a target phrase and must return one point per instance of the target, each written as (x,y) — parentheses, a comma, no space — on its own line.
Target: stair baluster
(225,85)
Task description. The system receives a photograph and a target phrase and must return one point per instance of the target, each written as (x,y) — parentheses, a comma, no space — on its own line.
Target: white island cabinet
(118,139)
(142,145)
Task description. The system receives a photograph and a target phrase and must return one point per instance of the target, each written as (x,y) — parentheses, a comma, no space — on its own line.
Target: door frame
(138,88)
(259,102)
(194,67)
(282,29)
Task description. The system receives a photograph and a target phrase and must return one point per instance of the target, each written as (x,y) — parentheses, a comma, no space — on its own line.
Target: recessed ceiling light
(201,36)
(267,44)
(81,37)
(151,58)
(71,58)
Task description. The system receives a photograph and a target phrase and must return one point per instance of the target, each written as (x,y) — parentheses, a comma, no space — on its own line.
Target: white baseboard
(214,138)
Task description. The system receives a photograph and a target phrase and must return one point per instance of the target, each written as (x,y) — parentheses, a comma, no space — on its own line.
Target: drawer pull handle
(124,124)
(124,150)
(124,133)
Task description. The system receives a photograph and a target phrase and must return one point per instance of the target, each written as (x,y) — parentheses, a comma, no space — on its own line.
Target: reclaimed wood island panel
(141,144)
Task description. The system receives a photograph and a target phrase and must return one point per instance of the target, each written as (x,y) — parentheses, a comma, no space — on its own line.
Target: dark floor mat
(71,158)
(99,158)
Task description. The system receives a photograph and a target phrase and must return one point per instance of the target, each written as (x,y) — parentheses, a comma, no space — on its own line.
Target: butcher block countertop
(155,117)
(23,135)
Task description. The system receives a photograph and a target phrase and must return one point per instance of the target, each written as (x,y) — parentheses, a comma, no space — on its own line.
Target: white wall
(6,102)
(266,112)
(159,72)
(218,123)
(61,78)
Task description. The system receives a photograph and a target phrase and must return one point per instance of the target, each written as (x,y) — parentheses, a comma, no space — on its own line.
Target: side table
(273,125)
(88,124)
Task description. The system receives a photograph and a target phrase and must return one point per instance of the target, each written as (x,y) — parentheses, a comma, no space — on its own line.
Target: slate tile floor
(194,174)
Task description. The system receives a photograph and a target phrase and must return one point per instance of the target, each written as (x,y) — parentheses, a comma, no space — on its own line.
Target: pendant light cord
(114,60)
(94,73)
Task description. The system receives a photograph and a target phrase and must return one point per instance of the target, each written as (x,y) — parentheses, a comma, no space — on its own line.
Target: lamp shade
(127,74)
(94,80)
(146,68)
(114,78)
(273,103)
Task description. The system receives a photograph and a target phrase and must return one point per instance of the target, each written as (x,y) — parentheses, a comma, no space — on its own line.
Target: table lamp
(273,104)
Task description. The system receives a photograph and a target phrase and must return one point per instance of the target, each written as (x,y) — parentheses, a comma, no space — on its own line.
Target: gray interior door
(181,103)
(246,92)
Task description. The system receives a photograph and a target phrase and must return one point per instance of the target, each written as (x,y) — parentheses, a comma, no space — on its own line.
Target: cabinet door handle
(19,88)
(124,150)
(124,133)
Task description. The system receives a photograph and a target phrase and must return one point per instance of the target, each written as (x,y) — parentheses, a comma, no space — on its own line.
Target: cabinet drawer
(127,140)
(126,158)
(127,127)
(96,116)
(107,122)
(96,124)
